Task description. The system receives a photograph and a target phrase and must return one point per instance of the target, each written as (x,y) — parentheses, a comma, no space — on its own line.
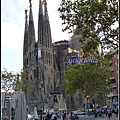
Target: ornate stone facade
(41,69)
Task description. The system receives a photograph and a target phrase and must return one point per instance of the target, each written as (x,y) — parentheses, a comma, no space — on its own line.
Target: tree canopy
(16,81)
(8,81)
(94,19)
(88,78)
(23,83)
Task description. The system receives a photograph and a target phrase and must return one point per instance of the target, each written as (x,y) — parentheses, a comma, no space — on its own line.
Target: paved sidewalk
(98,118)
(105,118)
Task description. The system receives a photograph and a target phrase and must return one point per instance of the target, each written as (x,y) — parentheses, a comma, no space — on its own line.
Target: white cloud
(12,36)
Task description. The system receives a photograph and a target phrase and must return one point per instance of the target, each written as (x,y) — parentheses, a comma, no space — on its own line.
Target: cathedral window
(49,62)
(72,99)
(46,55)
(27,61)
(49,55)
(30,55)
(31,77)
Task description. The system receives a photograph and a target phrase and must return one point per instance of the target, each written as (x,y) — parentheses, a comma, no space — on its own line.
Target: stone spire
(45,11)
(46,27)
(40,8)
(26,21)
(31,26)
(40,24)
(30,14)
(25,45)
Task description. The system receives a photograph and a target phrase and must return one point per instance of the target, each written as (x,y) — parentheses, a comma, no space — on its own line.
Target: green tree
(88,78)
(22,82)
(93,18)
(16,82)
(7,81)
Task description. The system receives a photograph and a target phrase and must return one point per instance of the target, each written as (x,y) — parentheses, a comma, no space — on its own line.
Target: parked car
(30,117)
(74,116)
(98,107)
(90,111)
(79,112)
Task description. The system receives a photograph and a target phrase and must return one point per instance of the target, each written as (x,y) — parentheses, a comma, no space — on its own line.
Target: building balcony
(110,62)
(113,85)
(111,69)
(112,78)
(111,94)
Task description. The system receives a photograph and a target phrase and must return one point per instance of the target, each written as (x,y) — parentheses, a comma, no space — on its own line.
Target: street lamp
(93,101)
(87,97)
(84,103)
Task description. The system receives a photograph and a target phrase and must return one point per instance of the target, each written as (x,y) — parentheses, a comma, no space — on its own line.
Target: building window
(114,56)
(115,64)
(116,72)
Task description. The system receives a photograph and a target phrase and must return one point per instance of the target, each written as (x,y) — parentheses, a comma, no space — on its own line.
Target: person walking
(95,113)
(53,117)
(48,116)
(109,113)
(102,112)
(116,112)
(105,111)
(63,115)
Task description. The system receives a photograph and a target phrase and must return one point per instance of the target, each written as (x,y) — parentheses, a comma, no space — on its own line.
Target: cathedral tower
(25,45)
(38,58)
(29,57)
(45,61)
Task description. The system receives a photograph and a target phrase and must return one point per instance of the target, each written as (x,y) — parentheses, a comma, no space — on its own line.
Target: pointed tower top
(45,10)
(30,13)
(26,15)
(45,3)
(40,7)
(30,5)
(26,24)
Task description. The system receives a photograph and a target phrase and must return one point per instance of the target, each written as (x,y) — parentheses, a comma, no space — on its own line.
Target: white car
(30,117)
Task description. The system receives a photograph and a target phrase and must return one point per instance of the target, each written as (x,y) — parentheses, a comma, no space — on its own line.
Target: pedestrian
(63,115)
(116,112)
(95,113)
(53,117)
(102,111)
(48,116)
(109,113)
(105,111)
(5,118)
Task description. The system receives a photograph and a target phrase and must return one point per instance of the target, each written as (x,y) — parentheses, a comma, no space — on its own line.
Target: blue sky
(12,29)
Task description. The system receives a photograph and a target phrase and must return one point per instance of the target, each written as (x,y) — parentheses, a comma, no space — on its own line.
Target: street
(91,117)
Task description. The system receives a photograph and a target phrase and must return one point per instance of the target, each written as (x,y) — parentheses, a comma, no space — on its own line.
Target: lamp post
(93,101)
(84,103)
(12,113)
(87,98)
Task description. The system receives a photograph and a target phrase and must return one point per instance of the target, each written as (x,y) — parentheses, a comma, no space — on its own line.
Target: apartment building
(112,97)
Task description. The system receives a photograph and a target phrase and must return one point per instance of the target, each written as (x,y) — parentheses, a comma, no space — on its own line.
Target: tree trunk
(5,99)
